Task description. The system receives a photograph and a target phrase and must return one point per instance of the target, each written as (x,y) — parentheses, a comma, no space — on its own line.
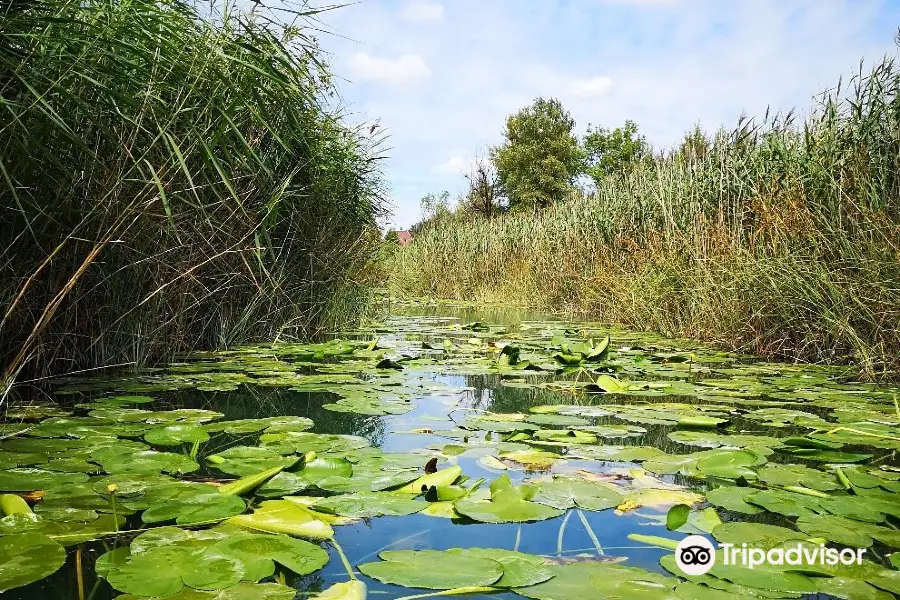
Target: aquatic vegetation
(193,503)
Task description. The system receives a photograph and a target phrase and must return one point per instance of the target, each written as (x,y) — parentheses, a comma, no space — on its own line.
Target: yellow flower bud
(112,488)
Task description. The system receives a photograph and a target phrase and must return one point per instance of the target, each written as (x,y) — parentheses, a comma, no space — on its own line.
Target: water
(447,388)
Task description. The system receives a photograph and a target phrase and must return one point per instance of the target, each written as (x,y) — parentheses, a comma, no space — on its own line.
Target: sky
(441,76)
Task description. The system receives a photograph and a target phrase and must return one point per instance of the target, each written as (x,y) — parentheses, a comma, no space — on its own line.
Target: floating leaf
(590,581)
(370,504)
(26,558)
(283,516)
(434,570)
(567,492)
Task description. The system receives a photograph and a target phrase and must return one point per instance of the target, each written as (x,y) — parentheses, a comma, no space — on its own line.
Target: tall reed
(778,237)
(171,177)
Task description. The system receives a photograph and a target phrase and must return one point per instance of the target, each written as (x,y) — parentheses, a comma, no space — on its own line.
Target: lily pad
(26,558)
(433,569)
(370,504)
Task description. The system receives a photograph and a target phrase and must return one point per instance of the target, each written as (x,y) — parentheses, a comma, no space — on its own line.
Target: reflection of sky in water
(364,540)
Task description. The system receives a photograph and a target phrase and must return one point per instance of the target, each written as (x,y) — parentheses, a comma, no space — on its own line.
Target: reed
(779,237)
(173,175)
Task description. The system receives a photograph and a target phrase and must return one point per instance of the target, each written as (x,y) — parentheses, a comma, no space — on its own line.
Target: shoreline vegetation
(173,178)
(780,237)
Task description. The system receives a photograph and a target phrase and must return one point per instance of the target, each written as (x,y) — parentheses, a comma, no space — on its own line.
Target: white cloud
(663,64)
(455,165)
(593,87)
(403,69)
(423,11)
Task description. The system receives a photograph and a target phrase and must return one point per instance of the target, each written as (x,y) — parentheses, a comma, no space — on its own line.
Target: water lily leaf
(175,435)
(111,560)
(567,492)
(370,504)
(27,480)
(615,453)
(677,516)
(835,529)
(433,569)
(754,534)
(149,462)
(560,420)
(258,551)
(26,558)
(10,460)
(785,475)
(248,483)
(282,484)
(565,436)
(165,571)
(728,464)
(242,591)
(733,498)
(536,460)
(441,478)
(506,505)
(605,383)
(785,502)
(348,590)
(519,569)
(827,456)
(590,581)
(197,504)
(283,516)
(249,460)
(491,463)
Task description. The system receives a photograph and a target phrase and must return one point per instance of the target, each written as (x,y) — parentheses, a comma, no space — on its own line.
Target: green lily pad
(283,516)
(785,475)
(519,569)
(590,581)
(27,480)
(195,504)
(247,460)
(241,591)
(175,435)
(259,552)
(148,462)
(433,569)
(567,492)
(26,558)
(165,571)
(370,504)
(733,498)
(756,534)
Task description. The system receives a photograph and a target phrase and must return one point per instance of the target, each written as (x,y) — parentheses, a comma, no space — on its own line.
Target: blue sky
(442,75)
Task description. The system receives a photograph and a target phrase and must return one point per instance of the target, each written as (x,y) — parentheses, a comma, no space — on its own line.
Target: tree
(435,208)
(483,195)
(539,158)
(607,152)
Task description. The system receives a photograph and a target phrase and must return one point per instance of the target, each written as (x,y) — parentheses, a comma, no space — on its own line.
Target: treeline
(540,162)
(172,176)
(779,237)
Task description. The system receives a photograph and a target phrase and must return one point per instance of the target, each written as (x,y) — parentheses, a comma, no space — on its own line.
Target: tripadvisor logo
(696,555)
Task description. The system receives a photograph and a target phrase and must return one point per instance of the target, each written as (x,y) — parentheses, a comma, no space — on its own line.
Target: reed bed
(173,175)
(779,237)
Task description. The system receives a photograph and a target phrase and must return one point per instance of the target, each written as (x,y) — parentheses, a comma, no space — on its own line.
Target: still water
(647,413)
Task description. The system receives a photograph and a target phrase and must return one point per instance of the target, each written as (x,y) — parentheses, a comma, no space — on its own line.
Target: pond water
(583,447)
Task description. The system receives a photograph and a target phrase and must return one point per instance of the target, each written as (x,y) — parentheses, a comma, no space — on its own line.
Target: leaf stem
(344,560)
(453,592)
(590,533)
(562,531)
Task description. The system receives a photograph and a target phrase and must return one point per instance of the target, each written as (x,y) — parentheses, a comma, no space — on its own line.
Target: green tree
(610,151)
(539,158)
(435,209)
